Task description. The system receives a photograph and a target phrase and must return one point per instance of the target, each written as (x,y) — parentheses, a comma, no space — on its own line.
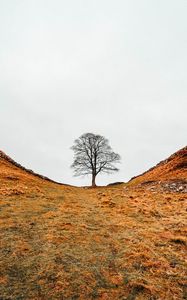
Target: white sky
(115,68)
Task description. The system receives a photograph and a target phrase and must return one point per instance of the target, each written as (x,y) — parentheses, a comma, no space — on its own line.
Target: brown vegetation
(172,168)
(125,241)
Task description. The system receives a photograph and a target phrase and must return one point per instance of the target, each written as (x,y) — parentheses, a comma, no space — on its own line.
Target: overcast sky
(115,68)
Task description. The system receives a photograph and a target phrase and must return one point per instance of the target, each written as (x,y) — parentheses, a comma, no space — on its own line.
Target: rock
(181,188)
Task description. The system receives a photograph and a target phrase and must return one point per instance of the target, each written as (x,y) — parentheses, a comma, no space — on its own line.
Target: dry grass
(173,168)
(60,242)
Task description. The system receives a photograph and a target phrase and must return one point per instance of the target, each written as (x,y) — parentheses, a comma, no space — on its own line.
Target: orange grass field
(126,241)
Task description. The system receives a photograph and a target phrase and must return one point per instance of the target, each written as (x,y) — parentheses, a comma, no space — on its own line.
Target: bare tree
(93,155)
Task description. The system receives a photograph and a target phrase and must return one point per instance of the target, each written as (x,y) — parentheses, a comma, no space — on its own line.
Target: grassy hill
(127,241)
(173,168)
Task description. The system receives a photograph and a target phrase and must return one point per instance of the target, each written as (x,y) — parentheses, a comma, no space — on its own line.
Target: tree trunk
(93,180)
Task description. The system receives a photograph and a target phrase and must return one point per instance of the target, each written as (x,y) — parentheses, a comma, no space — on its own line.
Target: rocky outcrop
(173,186)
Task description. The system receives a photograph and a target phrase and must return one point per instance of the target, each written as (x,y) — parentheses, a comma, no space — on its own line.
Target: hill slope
(16,179)
(171,172)
(11,168)
(62,242)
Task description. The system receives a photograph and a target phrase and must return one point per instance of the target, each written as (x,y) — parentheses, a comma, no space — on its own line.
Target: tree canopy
(93,155)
